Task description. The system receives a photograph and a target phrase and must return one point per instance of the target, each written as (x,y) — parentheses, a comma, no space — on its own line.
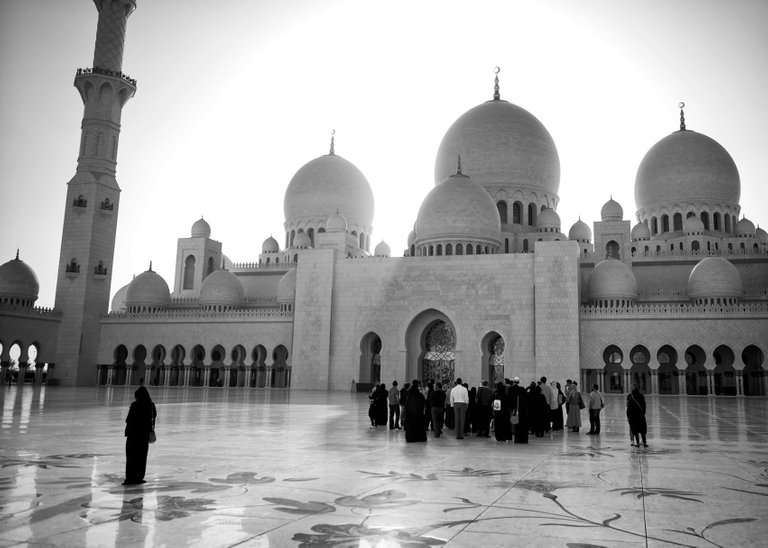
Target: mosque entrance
(439,359)
(695,373)
(430,343)
(753,374)
(669,382)
(724,374)
(614,372)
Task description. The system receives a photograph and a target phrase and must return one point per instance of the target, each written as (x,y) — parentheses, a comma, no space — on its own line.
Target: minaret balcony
(105,72)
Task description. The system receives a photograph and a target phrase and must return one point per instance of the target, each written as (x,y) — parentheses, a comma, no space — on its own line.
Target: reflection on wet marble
(273,468)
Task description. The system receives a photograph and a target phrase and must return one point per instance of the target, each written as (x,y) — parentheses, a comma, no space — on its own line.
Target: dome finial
(150,266)
(17,253)
(682,115)
(496,94)
(333,142)
(458,166)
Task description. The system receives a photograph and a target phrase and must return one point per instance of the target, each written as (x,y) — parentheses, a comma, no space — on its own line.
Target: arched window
(665,223)
(479,249)
(459,249)
(293,236)
(311,234)
(727,219)
(612,250)
(531,214)
(517,213)
(448,249)
(506,245)
(525,245)
(211,266)
(705,219)
(695,246)
(439,249)
(431,250)
(654,225)
(716,221)
(469,249)
(677,222)
(189,273)
(502,207)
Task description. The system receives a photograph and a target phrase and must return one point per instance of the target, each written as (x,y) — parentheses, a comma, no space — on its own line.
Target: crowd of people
(509,409)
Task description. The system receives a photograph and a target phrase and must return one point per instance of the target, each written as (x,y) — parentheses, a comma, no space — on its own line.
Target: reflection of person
(139,423)
(638,427)
(415,425)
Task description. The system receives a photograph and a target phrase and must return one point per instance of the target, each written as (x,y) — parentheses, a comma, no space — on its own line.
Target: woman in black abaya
(139,424)
(415,425)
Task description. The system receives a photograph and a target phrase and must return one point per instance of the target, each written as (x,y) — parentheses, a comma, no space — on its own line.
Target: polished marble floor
(281,469)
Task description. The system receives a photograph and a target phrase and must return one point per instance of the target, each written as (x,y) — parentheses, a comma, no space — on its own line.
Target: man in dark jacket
(484,410)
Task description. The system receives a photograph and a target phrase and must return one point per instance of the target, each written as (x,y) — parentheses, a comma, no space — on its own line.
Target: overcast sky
(235,96)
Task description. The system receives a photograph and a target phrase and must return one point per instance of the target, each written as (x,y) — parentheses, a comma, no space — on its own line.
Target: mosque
(488,285)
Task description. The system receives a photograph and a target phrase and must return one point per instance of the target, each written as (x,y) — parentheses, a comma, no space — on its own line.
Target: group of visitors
(510,410)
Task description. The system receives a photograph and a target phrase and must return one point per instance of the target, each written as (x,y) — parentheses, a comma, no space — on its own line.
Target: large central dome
(501,146)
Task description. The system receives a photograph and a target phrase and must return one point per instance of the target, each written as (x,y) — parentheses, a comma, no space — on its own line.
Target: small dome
(548,219)
(336,223)
(501,144)
(612,211)
(640,232)
(148,289)
(693,225)
(286,288)
(302,241)
(714,277)
(327,184)
(686,167)
(744,228)
(612,279)
(411,238)
(118,301)
(458,208)
(580,232)
(221,288)
(382,250)
(18,281)
(270,245)
(201,229)
(762,235)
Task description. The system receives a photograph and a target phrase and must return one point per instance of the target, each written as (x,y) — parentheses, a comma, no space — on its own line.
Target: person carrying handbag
(575,405)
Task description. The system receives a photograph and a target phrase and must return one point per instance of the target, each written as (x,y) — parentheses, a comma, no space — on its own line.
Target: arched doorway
(370,361)
(724,373)
(418,338)
(668,374)
(237,367)
(157,369)
(640,370)
(119,366)
(198,355)
(753,374)
(139,365)
(614,372)
(493,358)
(695,372)
(217,366)
(280,367)
(258,369)
(177,365)
(438,360)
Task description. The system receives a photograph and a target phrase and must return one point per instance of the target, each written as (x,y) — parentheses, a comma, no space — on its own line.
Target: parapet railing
(194,313)
(105,72)
(675,310)
(36,311)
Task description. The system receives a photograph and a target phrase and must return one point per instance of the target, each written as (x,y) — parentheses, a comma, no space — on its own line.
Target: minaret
(90,216)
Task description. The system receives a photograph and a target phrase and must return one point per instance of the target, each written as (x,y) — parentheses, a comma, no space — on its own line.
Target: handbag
(497,405)
(152,436)
(581,403)
(514,418)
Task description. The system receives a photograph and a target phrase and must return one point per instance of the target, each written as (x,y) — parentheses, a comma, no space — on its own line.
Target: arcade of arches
(689,371)
(18,363)
(215,368)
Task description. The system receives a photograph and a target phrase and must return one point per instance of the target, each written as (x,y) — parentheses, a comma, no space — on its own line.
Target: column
(227,373)
(206,376)
(739,382)
(654,381)
(627,384)
(128,374)
(110,374)
(710,383)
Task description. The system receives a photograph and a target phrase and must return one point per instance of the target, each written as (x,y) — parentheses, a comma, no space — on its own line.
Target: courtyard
(277,468)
